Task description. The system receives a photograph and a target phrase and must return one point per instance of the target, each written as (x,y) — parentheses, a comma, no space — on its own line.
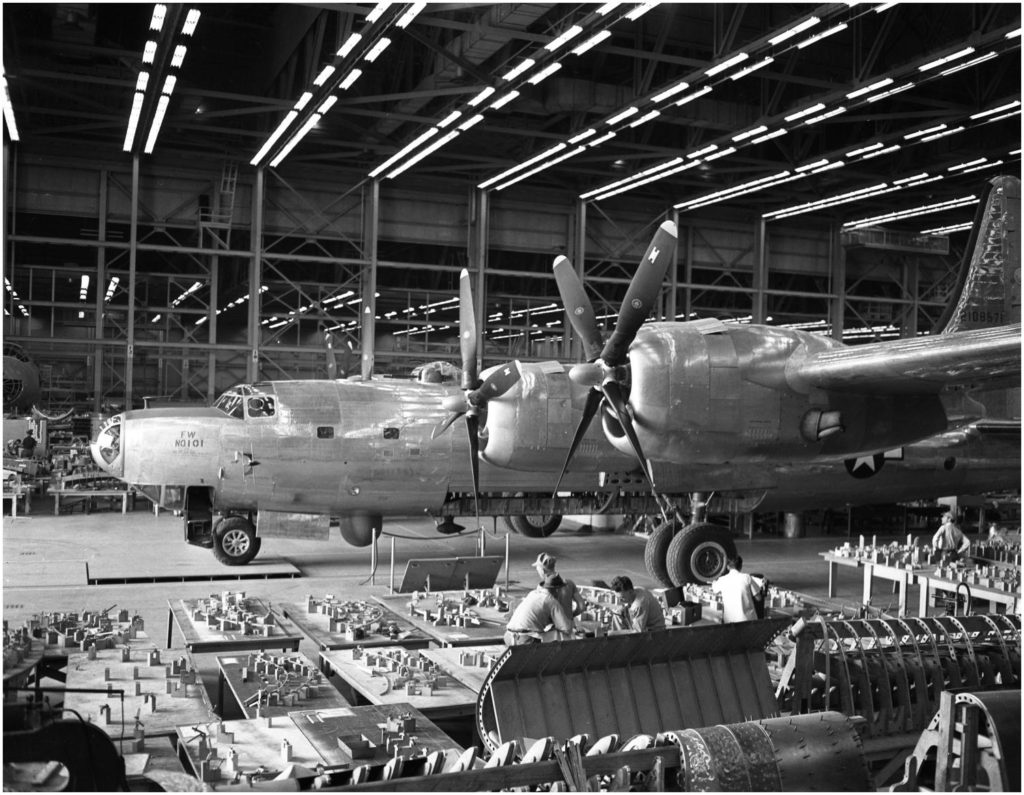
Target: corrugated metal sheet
(631,684)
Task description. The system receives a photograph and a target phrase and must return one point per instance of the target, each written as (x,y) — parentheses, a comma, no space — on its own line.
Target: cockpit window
(232,400)
(251,399)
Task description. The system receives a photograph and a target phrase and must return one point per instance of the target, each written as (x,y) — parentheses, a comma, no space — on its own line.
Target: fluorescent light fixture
(582,136)
(811,166)
(797,29)
(350,78)
(411,13)
(421,138)
(169,83)
(303,100)
(569,33)
(382,44)
(142,82)
(512,74)
(503,101)
(352,41)
(484,94)
(327,104)
(157,21)
(191,20)
(905,180)
(451,117)
(608,7)
(640,10)
(149,52)
(542,166)
(179,56)
(706,150)
(864,149)
(946,59)
(884,7)
(695,95)
(993,111)
(926,131)
(155,318)
(298,136)
(943,134)
(623,115)
(868,89)
(525,164)
(891,92)
(133,119)
(973,62)
(736,190)
(1013,34)
(880,152)
(158,119)
(671,91)
(824,34)
(750,133)
(738,58)
(722,153)
(946,230)
(829,167)
(752,68)
(379,9)
(592,42)
(83,291)
(321,78)
(471,122)
(805,112)
(968,164)
(769,136)
(650,115)
(12,126)
(288,119)
(545,73)
(423,153)
(827,115)
(950,204)
(602,139)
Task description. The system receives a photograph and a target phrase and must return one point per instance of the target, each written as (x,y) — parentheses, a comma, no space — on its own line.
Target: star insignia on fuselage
(865,466)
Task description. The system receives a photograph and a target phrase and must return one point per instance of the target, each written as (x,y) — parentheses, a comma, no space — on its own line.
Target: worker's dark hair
(736,562)
(622,583)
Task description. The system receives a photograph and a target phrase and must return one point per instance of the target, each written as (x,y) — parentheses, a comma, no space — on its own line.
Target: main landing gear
(234,541)
(676,554)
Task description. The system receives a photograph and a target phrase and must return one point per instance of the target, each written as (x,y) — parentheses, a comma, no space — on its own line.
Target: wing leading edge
(913,366)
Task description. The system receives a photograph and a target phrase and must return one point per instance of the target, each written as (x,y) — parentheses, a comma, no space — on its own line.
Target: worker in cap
(643,610)
(568,595)
(539,616)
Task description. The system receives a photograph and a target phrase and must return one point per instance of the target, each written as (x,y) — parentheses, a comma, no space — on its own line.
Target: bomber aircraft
(697,417)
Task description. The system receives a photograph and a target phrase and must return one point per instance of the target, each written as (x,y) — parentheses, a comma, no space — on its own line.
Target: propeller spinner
(605,372)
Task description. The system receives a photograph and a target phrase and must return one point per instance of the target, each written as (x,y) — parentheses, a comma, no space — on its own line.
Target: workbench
(373,622)
(930,584)
(363,683)
(257,684)
(467,664)
(89,496)
(19,492)
(834,562)
(490,629)
(201,637)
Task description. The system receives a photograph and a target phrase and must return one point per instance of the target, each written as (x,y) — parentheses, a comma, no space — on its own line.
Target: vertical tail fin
(989,292)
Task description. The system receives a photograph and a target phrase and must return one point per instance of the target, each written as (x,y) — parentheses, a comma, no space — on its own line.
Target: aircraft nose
(106,447)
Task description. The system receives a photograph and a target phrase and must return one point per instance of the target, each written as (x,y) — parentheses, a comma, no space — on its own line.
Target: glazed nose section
(106,447)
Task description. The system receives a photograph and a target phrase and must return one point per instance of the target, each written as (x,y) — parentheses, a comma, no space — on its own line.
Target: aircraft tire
(698,553)
(535,526)
(510,525)
(656,551)
(235,542)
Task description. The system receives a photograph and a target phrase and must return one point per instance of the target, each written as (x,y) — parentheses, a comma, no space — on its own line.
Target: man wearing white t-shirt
(738,592)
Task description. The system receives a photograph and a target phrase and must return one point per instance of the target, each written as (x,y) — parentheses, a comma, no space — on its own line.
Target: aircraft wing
(912,366)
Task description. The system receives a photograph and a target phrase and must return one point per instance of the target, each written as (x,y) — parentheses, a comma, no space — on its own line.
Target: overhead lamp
(158,120)
(750,133)
(705,150)
(884,7)
(504,100)
(946,59)
(169,83)
(943,134)
(721,153)
(738,58)
(973,62)
(410,14)
(967,164)
(326,72)
(468,123)
(191,20)
(926,131)
(682,85)
(570,33)
(597,141)
(811,166)
(377,11)
(303,100)
(157,20)
(695,95)
(582,136)
(542,166)
(298,136)
(805,112)
(149,52)
(83,291)
(632,110)
(5,97)
(350,78)
(826,115)
(797,29)
(752,68)
(769,136)
(382,44)
(451,117)
(608,7)
(649,116)
(926,209)
(993,111)
(544,73)
(327,104)
(285,123)
(891,92)
(512,74)
(481,96)
(179,56)
(948,230)
(640,10)
(592,42)
(632,179)
(349,44)
(880,152)
(868,89)
(419,139)
(824,34)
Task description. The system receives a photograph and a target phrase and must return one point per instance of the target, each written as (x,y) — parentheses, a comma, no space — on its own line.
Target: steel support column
(837,279)
(101,278)
(572,345)
(371,224)
(255,279)
(133,241)
(479,241)
(758,309)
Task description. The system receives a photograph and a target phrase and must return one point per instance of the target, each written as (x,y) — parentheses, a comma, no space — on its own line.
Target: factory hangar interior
(195,194)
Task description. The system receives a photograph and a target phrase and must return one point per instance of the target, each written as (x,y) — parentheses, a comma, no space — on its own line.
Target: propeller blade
(589,410)
(473,428)
(577,304)
(642,293)
(366,365)
(332,362)
(467,332)
(444,426)
(496,384)
(613,394)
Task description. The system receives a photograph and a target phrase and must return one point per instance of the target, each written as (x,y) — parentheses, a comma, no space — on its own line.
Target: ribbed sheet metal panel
(631,684)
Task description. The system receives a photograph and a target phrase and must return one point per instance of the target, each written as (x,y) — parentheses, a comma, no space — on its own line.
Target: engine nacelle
(531,426)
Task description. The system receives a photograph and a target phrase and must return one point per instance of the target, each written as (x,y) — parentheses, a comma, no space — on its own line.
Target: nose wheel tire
(235,542)
(698,554)
(534,526)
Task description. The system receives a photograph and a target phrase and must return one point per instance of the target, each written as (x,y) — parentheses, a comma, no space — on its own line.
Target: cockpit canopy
(248,400)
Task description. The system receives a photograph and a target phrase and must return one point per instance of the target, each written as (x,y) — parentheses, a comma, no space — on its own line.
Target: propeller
(475,393)
(334,370)
(605,372)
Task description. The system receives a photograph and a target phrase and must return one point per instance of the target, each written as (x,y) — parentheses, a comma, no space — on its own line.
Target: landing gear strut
(678,553)
(234,541)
